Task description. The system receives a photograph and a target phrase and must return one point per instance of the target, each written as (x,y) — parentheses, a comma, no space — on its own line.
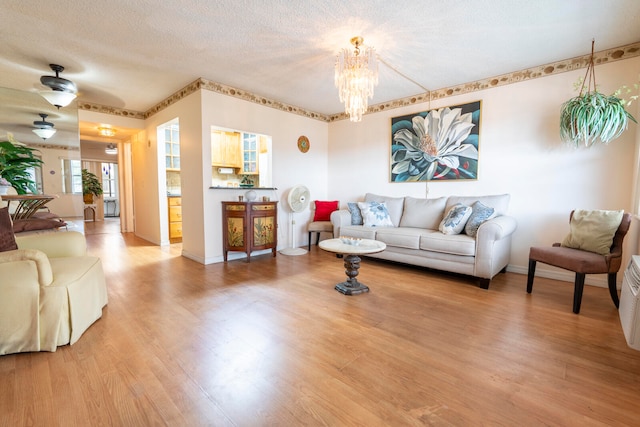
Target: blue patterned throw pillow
(356,215)
(479,214)
(455,219)
(375,214)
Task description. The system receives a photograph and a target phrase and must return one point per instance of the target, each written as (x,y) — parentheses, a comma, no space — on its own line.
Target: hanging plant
(591,116)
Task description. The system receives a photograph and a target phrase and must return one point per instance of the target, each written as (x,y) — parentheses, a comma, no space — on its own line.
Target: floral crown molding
(54,146)
(602,57)
(105,109)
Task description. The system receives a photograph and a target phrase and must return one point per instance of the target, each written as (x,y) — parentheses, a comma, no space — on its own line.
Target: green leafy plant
(91,185)
(16,159)
(591,116)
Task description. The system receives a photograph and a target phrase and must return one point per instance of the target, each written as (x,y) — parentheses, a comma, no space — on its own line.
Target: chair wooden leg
(318,238)
(577,292)
(310,241)
(611,278)
(530,275)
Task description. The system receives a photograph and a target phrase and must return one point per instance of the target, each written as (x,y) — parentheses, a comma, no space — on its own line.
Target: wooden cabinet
(226,150)
(249,226)
(175,219)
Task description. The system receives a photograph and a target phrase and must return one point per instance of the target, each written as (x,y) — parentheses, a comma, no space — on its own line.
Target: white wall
(290,166)
(201,208)
(520,153)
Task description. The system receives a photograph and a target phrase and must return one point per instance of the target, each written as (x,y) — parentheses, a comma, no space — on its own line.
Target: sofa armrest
(497,228)
(340,218)
(9,259)
(55,244)
(493,246)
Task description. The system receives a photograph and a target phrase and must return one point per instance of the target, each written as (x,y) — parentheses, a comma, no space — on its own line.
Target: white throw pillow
(375,214)
(394,205)
(455,219)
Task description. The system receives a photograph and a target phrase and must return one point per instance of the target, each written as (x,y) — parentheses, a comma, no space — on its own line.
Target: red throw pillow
(324,209)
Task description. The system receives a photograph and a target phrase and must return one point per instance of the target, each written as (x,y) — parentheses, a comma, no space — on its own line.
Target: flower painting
(436,145)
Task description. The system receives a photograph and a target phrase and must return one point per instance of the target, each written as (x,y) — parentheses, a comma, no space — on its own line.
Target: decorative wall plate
(303,144)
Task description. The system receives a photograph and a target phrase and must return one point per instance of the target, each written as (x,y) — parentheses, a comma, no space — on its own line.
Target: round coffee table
(352,261)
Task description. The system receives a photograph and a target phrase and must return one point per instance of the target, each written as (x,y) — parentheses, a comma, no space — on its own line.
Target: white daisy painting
(436,145)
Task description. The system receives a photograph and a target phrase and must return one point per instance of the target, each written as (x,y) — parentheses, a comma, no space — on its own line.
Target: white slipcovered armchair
(51,291)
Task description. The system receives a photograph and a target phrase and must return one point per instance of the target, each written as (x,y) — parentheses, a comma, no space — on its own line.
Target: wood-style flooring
(272,343)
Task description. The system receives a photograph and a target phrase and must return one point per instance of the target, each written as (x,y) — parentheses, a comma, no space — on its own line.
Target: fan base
(293,251)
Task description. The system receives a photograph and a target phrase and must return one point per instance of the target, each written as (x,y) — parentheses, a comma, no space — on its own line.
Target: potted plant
(592,116)
(91,186)
(16,160)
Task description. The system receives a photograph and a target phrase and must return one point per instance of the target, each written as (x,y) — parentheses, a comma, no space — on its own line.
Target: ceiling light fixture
(62,91)
(355,77)
(44,129)
(106,131)
(111,149)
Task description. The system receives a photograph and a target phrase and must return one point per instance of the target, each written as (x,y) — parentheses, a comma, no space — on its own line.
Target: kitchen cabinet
(175,219)
(172,147)
(226,149)
(250,154)
(249,226)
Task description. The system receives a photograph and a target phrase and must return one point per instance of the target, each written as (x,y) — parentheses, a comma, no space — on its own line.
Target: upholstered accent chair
(51,291)
(582,262)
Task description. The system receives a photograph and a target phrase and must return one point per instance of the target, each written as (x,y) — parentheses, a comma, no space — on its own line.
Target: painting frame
(436,145)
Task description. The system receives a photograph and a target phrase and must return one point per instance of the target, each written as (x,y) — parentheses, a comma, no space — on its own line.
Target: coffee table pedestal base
(351,286)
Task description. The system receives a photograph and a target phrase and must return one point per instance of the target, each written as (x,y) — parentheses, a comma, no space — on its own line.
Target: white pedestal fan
(298,200)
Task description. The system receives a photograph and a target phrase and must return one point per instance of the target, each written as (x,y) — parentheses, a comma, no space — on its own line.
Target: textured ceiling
(133,54)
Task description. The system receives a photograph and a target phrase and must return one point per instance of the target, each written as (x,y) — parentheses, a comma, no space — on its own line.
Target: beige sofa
(415,238)
(51,291)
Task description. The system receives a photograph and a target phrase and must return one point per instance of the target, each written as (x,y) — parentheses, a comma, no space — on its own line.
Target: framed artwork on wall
(436,145)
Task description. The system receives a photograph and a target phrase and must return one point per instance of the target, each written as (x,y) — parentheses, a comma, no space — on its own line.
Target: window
(109,180)
(35,174)
(71,176)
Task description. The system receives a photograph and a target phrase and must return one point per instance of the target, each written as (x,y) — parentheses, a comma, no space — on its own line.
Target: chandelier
(356,76)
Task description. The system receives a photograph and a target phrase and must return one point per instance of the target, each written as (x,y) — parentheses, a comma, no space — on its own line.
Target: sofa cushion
(593,231)
(356,215)
(324,209)
(423,213)
(499,202)
(401,237)
(395,205)
(455,244)
(375,214)
(359,231)
(479,214)
(7,239)
(455,219)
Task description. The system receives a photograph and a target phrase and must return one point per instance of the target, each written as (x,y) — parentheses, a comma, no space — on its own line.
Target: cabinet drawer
(175,201)
(175,230)
(175,214)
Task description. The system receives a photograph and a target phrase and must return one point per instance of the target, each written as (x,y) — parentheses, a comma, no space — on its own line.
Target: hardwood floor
(272,343)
